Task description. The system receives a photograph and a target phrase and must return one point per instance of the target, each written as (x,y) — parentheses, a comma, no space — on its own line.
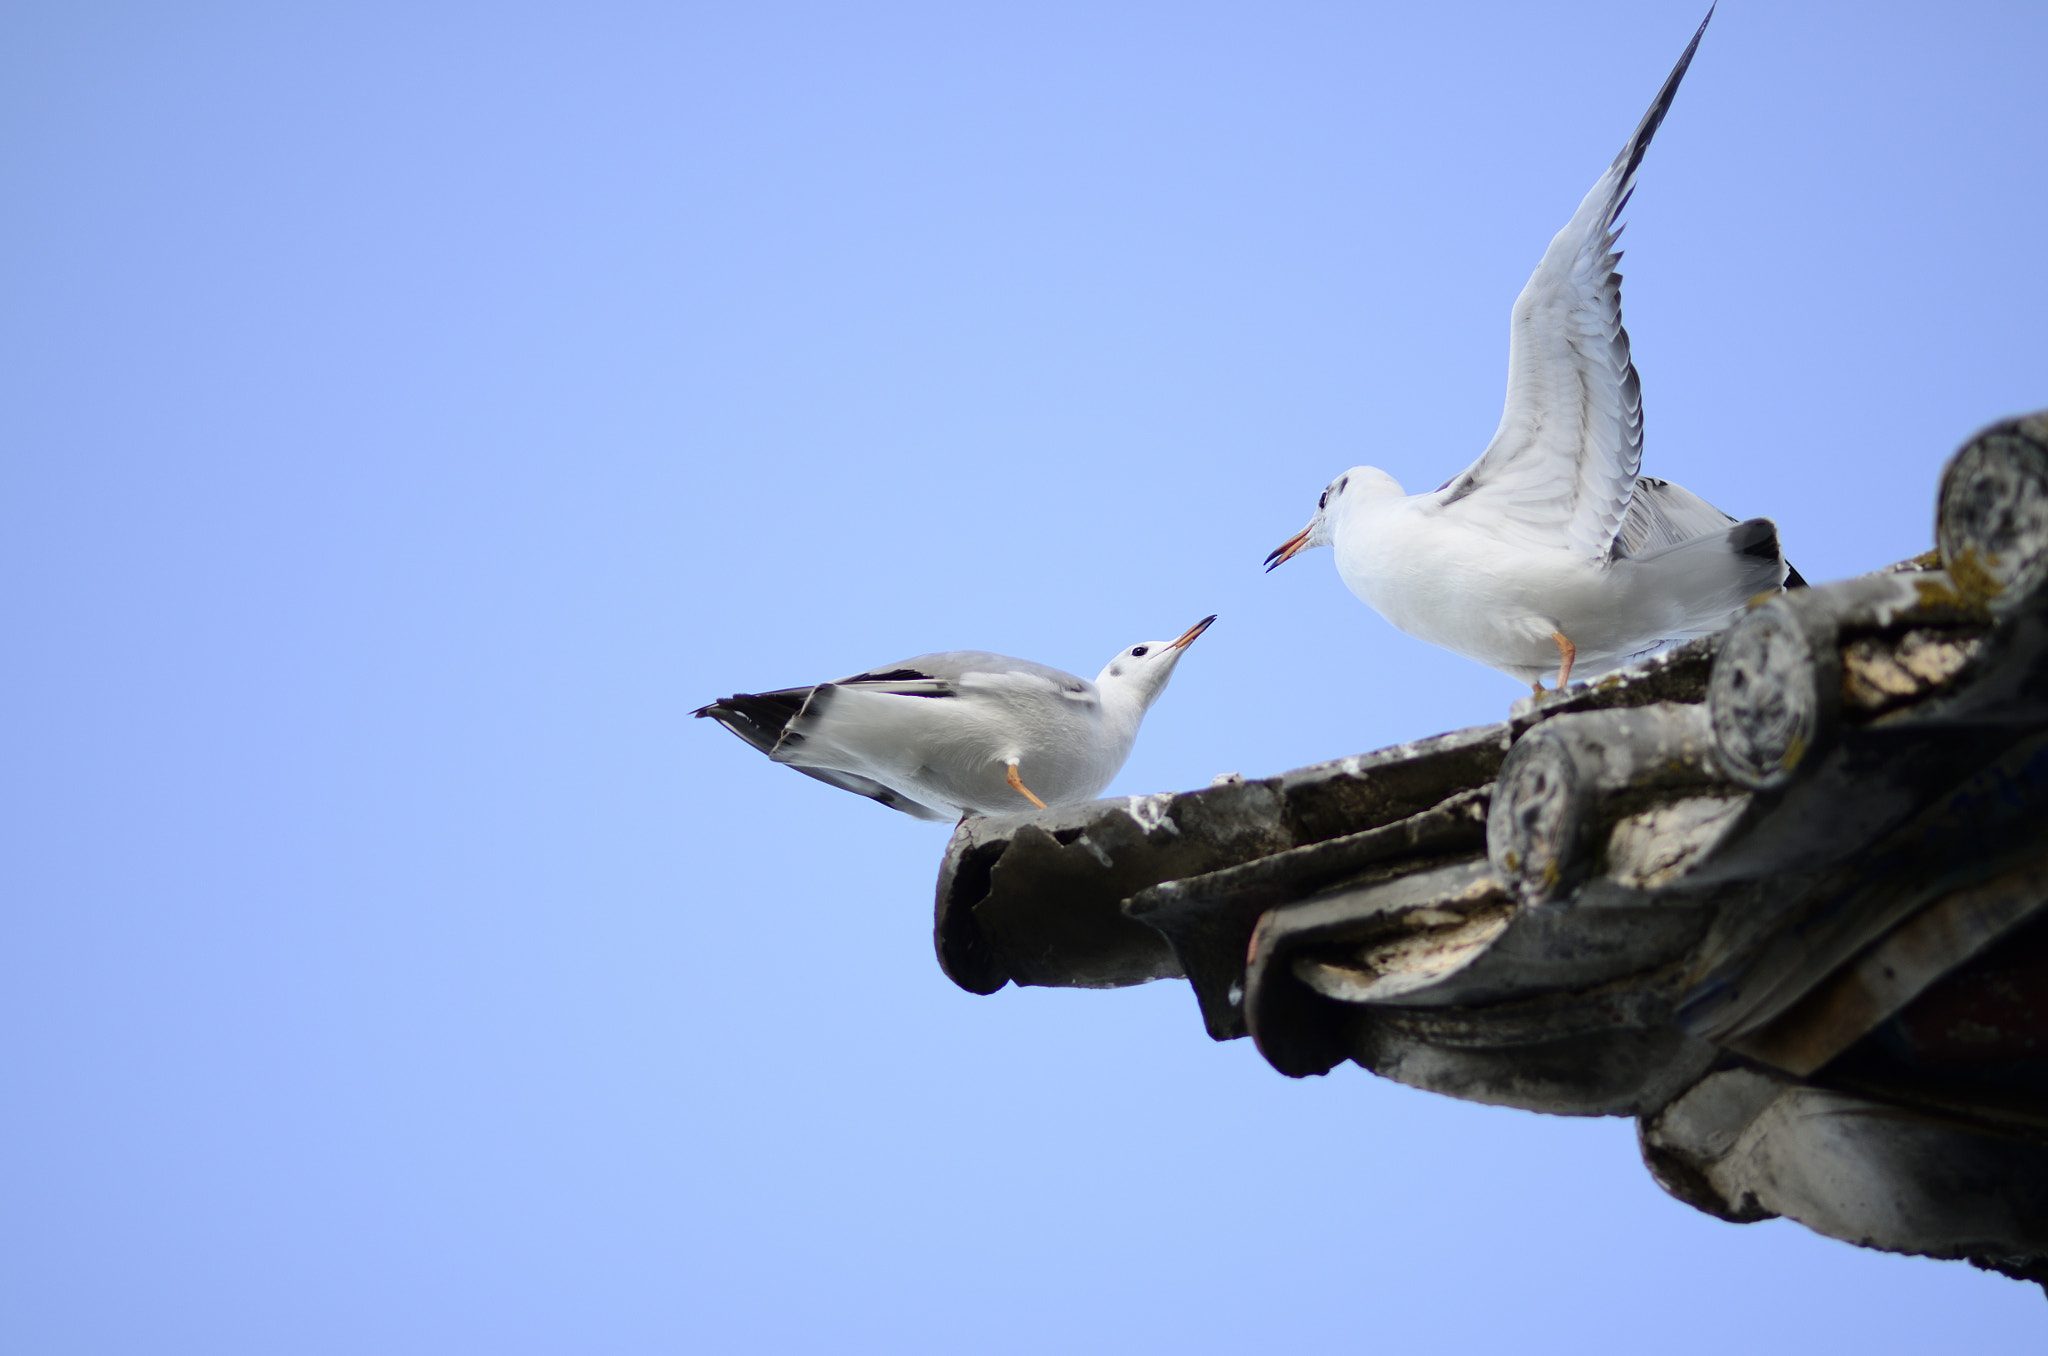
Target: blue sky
(412,411)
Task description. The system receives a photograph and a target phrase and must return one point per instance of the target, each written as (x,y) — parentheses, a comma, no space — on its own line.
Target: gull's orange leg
(1566,653)
(1017,785)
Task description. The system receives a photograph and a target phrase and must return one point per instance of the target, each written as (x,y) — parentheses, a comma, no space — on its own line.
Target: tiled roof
(1782,894)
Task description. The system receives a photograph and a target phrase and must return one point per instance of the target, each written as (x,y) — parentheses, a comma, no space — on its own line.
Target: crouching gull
(1550,550)
(944,736)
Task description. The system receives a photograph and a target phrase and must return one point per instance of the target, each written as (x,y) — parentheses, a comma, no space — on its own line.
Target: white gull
(943,736)
(1550,550)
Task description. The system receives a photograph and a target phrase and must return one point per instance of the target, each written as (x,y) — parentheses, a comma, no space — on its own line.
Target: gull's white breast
(1452,584)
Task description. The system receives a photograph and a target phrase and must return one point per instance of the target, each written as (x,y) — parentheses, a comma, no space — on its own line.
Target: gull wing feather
(763,720)
(882,733)
(1662,514)
(1563,462)
(955,671)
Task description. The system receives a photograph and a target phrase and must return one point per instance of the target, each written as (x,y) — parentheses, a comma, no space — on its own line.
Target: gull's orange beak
(1192,632)
(1287,550)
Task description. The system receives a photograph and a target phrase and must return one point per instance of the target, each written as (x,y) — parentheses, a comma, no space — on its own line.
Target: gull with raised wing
(1550,551)
(944,736)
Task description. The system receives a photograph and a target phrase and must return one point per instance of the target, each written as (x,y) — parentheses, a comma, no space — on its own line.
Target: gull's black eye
(1138,652)
(1323,500)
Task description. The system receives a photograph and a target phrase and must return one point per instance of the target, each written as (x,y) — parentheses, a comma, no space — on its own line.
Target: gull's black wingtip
(1632,154)
(760,718)
(1759,537)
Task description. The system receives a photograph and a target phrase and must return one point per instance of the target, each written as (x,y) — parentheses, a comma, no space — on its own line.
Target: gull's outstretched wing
(1562,465)
(1662,514)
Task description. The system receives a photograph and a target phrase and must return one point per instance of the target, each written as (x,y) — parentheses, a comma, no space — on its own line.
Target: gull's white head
(1142,670)
(1355,486)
